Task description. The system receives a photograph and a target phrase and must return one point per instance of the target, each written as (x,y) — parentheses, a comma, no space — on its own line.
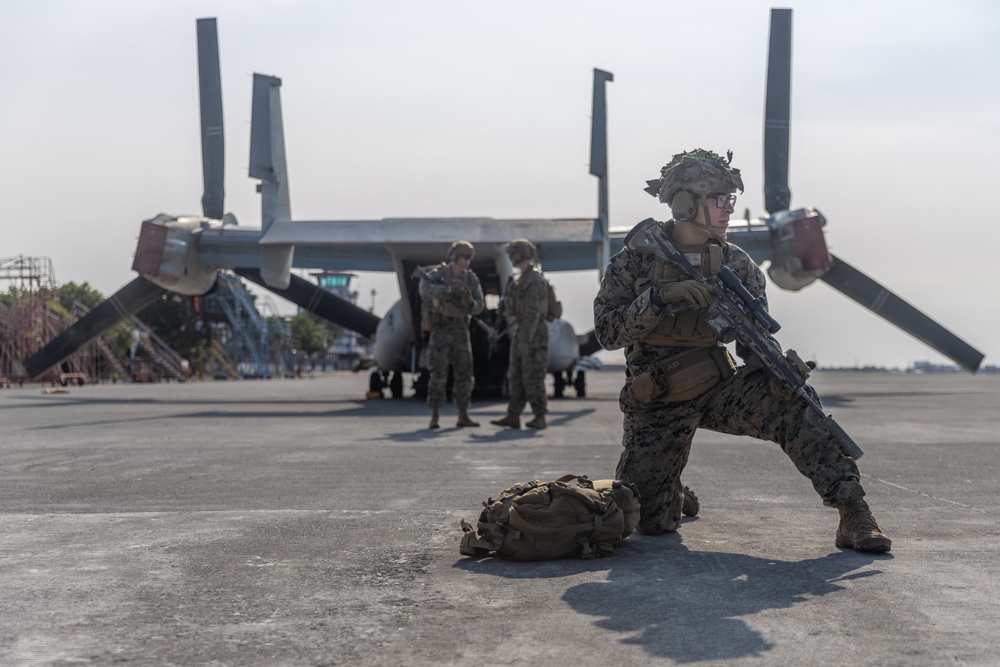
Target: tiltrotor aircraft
(184,254)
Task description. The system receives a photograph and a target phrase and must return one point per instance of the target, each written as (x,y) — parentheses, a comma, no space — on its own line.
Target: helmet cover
(698,173)
(461,249)
(519,250)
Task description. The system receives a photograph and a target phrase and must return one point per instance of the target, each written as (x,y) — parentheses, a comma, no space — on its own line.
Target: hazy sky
(462,108)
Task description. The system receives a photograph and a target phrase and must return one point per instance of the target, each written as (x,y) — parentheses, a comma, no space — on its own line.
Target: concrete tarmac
(292,522)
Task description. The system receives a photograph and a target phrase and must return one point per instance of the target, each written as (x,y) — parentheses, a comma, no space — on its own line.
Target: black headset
(683,204)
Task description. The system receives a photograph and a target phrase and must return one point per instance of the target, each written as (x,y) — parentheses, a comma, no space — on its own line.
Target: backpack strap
(472,544)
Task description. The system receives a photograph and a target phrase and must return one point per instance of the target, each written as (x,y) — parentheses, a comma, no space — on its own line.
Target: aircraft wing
(753,237)
(564,244)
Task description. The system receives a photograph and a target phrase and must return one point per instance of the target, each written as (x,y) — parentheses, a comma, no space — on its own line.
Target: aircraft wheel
(580,384)
(396,385)
(559,384)
(375,385)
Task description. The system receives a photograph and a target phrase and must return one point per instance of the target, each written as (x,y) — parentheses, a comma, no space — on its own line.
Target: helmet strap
(713,232)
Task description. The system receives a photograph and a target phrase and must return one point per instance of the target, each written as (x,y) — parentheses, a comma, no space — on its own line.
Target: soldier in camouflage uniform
(450,294)
(680,376)
(525,304)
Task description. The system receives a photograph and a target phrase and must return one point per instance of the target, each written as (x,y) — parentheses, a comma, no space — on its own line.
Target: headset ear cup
(683,206)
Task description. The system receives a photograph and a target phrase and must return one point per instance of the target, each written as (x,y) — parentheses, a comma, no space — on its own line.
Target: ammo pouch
(449,309)
(684,376)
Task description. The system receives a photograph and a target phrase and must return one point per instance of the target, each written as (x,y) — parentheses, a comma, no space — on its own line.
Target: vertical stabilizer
(267,163)
(599,163)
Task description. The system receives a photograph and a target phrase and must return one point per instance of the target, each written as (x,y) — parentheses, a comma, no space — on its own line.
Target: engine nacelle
(800,252)
(167,254)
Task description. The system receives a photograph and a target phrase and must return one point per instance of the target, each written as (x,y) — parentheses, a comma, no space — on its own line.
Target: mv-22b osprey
(184,254)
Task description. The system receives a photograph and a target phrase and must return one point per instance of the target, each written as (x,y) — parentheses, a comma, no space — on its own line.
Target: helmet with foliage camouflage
(461,249)
(519,250)
(691,176)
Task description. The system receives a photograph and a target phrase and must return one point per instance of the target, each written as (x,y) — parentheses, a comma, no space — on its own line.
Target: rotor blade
(213,161)
(856,285)
(777,112)
(129,299)
(315,299)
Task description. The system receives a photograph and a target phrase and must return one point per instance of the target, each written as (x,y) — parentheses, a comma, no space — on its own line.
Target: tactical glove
(692,292)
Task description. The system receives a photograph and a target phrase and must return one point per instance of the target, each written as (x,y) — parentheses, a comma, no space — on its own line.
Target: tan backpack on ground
(545,520)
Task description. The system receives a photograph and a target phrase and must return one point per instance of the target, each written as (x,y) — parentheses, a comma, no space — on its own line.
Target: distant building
(929,367)
(349,346)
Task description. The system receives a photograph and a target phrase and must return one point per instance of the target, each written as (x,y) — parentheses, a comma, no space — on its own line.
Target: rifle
(738,311)
(460,303)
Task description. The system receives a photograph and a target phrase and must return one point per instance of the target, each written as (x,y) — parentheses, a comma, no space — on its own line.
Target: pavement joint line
(927,495)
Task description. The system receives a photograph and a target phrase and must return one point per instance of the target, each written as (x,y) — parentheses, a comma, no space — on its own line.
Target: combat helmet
(690,177)
(461,249)
(521,249)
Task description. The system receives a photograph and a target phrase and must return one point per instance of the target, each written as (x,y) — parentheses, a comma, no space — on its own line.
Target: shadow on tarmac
(687,605)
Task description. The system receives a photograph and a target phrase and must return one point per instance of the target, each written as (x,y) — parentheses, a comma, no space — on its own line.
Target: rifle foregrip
(846,442)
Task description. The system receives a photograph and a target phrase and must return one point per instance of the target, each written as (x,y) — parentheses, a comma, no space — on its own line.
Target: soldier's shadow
(667,599)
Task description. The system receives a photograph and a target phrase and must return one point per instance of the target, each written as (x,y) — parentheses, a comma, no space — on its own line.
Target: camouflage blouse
(623,317)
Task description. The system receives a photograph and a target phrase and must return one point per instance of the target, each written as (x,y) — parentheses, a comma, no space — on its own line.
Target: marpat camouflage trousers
(449,343)
(657,440)
(526,380)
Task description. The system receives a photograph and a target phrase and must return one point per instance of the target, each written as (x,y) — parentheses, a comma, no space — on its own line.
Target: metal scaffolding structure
(26,322)
(252,342)
(29,318)
(256,344)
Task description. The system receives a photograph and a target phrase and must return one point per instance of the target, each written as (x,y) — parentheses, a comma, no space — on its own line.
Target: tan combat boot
(435,418)
(512,420)
(858,530)
(538,422)
(463,418)
(691,504)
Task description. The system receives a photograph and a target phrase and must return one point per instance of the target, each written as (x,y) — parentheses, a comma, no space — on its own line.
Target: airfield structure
(257,342)
(26,322)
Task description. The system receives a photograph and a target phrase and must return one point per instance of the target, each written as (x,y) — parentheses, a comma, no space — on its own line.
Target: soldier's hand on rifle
(692,292)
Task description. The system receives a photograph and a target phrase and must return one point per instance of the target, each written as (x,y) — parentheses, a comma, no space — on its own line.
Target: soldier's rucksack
(545,520)
(554,309)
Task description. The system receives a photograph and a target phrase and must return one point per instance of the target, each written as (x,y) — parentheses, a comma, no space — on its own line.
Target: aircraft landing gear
(378,381)
(375,385)
(396,385)
(565,378)
(559,382)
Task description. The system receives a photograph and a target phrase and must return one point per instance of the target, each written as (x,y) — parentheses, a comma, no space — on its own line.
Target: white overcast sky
(464,108)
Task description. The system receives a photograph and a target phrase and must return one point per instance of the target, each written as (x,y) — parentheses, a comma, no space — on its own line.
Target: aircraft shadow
(667,599)
(273,409)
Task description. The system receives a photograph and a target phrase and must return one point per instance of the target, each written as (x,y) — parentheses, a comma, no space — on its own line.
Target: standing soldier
(451,294)
(525,305)
(679,374)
